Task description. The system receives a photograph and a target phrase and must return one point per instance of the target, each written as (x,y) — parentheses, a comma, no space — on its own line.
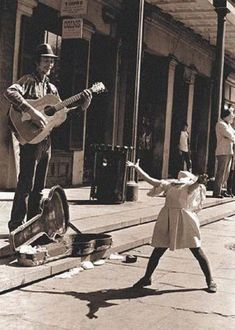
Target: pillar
(221,8)
(169,105)
(190,100)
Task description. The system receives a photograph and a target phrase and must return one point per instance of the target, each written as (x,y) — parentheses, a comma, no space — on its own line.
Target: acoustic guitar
(52,108)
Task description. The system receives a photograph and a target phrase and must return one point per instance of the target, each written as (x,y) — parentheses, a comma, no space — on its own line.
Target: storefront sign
(72,28)
(73,7)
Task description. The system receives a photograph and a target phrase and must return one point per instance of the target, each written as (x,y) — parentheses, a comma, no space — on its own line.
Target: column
(221,10)
(190,100)
(169,104)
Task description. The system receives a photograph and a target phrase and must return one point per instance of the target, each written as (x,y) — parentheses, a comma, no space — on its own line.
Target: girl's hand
(203,179)
(131,164)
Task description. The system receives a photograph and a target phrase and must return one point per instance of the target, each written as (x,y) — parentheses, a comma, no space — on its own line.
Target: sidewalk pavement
(82,207)
(103,297)
(129,223)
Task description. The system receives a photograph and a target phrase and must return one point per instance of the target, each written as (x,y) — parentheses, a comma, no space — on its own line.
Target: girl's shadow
(103,298)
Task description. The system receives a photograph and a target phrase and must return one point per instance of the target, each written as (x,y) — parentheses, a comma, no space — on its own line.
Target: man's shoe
(142,283)
(212,287)
(226,194)
(217,196)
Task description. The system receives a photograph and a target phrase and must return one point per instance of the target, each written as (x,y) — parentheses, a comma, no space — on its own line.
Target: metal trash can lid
(109,147)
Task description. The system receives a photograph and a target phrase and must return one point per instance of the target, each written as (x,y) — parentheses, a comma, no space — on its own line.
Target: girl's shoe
(212,287)
(142,283)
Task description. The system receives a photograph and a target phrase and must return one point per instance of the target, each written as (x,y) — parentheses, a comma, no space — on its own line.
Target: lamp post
(132,186)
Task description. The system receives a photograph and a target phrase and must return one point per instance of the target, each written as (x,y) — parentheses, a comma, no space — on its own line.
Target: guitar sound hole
(49,111)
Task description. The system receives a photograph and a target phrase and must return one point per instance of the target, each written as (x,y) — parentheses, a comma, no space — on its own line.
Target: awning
(200,16)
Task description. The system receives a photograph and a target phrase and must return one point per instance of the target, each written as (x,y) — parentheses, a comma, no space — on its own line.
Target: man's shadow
(83,202)
(104,298)
(90,202)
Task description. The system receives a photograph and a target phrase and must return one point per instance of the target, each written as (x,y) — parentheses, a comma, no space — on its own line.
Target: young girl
(177,225)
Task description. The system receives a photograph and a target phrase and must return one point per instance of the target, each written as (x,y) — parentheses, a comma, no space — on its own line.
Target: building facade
(177,80)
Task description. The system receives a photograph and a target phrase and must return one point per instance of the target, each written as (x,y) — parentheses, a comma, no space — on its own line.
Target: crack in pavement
(172,285)
(192,311)
(201,312)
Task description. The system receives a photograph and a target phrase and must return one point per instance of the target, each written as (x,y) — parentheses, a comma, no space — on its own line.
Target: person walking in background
(34,158)
(184,148)
(225,136)
(231,180)
(145,144)
(177,225)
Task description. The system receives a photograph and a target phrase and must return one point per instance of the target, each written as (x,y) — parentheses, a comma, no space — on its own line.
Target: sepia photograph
(117,184)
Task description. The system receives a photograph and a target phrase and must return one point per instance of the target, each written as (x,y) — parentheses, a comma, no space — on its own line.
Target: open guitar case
(44,238)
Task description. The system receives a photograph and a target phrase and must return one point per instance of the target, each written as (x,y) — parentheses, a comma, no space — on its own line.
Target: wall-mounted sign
(73,7)
(72,28)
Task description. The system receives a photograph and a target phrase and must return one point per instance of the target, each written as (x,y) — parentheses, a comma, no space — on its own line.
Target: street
(102,298)
(85,176)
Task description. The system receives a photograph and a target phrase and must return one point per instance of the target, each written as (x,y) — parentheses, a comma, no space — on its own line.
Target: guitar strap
(48,87)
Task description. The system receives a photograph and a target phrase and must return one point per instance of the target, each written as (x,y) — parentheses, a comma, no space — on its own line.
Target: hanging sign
(72,28)
(73,7)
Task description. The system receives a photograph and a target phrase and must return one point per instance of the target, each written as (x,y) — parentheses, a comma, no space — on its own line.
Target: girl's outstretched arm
(143,174)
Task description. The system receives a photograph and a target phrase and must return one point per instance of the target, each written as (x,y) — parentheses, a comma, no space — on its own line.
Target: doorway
(99,129)
(200,123)
(179,116)
(152,111)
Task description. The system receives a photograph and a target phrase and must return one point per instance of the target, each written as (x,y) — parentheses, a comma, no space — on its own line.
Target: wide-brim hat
(45,50)
(186,177)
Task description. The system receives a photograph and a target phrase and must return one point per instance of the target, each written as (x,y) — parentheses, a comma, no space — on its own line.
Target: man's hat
(44,50)
(227,112)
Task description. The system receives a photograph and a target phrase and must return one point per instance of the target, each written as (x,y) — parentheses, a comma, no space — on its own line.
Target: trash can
(109,173)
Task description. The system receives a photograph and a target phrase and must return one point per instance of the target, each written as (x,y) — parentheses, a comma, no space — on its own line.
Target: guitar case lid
(53,221)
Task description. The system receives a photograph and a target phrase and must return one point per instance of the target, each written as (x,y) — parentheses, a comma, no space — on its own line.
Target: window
(229,90)
(54,40)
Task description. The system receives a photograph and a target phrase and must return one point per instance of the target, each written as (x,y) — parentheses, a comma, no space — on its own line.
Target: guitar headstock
(98,88)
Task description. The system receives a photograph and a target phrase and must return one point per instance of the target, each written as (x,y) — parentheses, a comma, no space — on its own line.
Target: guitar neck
(63,104)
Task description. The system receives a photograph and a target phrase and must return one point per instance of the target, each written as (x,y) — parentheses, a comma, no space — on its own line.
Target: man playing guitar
(34,158)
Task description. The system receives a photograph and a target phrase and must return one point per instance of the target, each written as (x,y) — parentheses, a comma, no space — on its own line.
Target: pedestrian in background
(177,225)
(225,136)
(184,148)
(231,178)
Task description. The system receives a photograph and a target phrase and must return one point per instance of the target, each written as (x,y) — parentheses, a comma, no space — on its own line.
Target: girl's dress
(177,225)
